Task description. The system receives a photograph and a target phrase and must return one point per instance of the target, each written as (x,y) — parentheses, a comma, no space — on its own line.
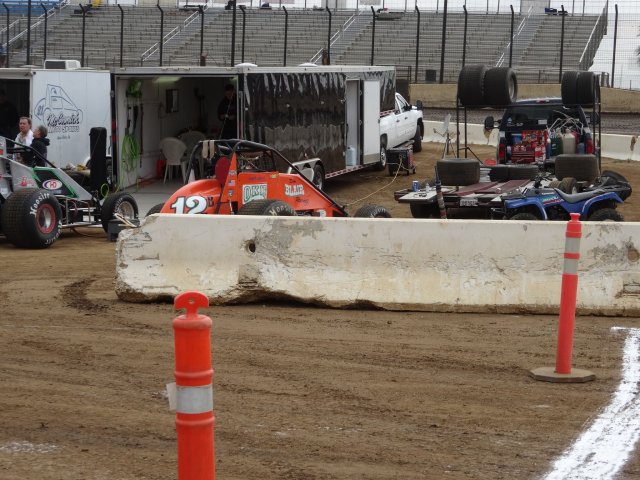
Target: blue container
(516,138)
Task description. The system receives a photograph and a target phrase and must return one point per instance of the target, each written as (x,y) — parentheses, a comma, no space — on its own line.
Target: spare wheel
(584,168)
(458,171)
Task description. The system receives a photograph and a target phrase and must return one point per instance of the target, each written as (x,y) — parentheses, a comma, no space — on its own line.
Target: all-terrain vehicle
(247,178)
(36,203)
(598,202)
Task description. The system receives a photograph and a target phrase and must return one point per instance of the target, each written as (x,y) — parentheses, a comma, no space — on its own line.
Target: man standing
(25,136)
(227,113)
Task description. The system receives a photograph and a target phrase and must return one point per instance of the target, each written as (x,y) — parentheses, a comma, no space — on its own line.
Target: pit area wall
(614,100)
(395,264)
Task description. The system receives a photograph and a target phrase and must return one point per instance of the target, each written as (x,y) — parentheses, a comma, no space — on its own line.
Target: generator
(400,159)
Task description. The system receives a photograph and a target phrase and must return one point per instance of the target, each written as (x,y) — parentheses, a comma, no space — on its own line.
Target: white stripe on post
(194,399)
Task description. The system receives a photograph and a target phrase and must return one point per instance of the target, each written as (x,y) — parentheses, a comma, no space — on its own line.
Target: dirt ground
(300,393)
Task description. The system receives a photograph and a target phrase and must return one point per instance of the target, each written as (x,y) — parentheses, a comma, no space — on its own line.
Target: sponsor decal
(58,111)
(253,192)
(294,190)
(52,184)
(27,182)
(550,199)
(231,183)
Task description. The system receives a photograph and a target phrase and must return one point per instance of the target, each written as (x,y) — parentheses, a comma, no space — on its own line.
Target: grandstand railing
(598,31)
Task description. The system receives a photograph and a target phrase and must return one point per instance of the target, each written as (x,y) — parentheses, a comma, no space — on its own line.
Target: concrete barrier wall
(619,147)
(396,264)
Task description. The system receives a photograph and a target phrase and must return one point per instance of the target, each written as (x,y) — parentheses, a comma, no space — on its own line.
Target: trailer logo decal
(294,190)
(52,184)
(58,111)
(254,192)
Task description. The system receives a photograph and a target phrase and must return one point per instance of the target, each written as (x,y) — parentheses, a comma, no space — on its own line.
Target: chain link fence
(426,42)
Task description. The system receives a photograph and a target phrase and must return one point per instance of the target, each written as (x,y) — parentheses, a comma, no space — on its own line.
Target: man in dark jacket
(39,144)
(227,113)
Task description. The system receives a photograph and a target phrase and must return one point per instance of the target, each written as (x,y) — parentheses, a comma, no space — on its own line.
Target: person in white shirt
(25,136)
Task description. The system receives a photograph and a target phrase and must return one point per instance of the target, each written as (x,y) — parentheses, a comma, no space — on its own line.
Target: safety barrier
(568,296)
(194,393)
(618,147)
(396,264)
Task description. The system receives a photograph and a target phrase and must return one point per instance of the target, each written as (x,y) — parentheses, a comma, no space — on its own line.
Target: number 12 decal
(190,205)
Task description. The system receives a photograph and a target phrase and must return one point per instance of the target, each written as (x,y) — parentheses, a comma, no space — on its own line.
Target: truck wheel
(31,218)
(568,185)
(121,203)
(372,211)
(584,168)
(568,87)
(586,89)
(471,85)
(458,172)
(318,176)
(155,209)
(267,206)
(523,216)
(500,87)
(606,215)
(417,140)
(424,210)
(382,164)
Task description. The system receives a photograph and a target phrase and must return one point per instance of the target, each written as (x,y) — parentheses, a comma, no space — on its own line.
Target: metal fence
(429,41)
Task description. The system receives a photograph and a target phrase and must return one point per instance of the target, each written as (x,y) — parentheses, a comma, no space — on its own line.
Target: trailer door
(352,112)
(371,122)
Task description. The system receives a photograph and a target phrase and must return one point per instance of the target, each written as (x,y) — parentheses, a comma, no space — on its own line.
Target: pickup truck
(400,126)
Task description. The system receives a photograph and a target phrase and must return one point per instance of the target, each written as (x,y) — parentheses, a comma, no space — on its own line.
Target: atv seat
(222,169)
(578,197)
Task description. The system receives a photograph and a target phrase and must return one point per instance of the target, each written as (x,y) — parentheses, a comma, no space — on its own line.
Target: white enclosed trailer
(320,116)
(65,98)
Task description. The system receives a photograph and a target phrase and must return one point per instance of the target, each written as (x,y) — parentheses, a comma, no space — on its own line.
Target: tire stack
(580,88)
(479,86)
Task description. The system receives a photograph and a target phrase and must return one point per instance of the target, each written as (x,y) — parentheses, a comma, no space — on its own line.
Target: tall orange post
(194,391)
(568,295)
(568,298)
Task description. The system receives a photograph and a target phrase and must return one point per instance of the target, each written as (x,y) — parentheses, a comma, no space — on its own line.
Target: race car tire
(568,185)
(372,211)
(500,87)
(606,215)
(318,176)
(523,172)
(155,209)
(424,210)
(471,85)
(31,218)
(121,203)
(417,140)
(587,89)
(458,172)
(584,168)
(523,216)
(268,207)
(568,87)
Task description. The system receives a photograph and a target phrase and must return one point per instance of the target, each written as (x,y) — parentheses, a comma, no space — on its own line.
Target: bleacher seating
(535,50)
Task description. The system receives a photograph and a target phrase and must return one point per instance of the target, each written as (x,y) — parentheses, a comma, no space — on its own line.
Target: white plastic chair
(173,150)
(191,139)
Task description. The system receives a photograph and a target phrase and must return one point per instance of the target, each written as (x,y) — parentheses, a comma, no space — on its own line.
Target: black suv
(543,123)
